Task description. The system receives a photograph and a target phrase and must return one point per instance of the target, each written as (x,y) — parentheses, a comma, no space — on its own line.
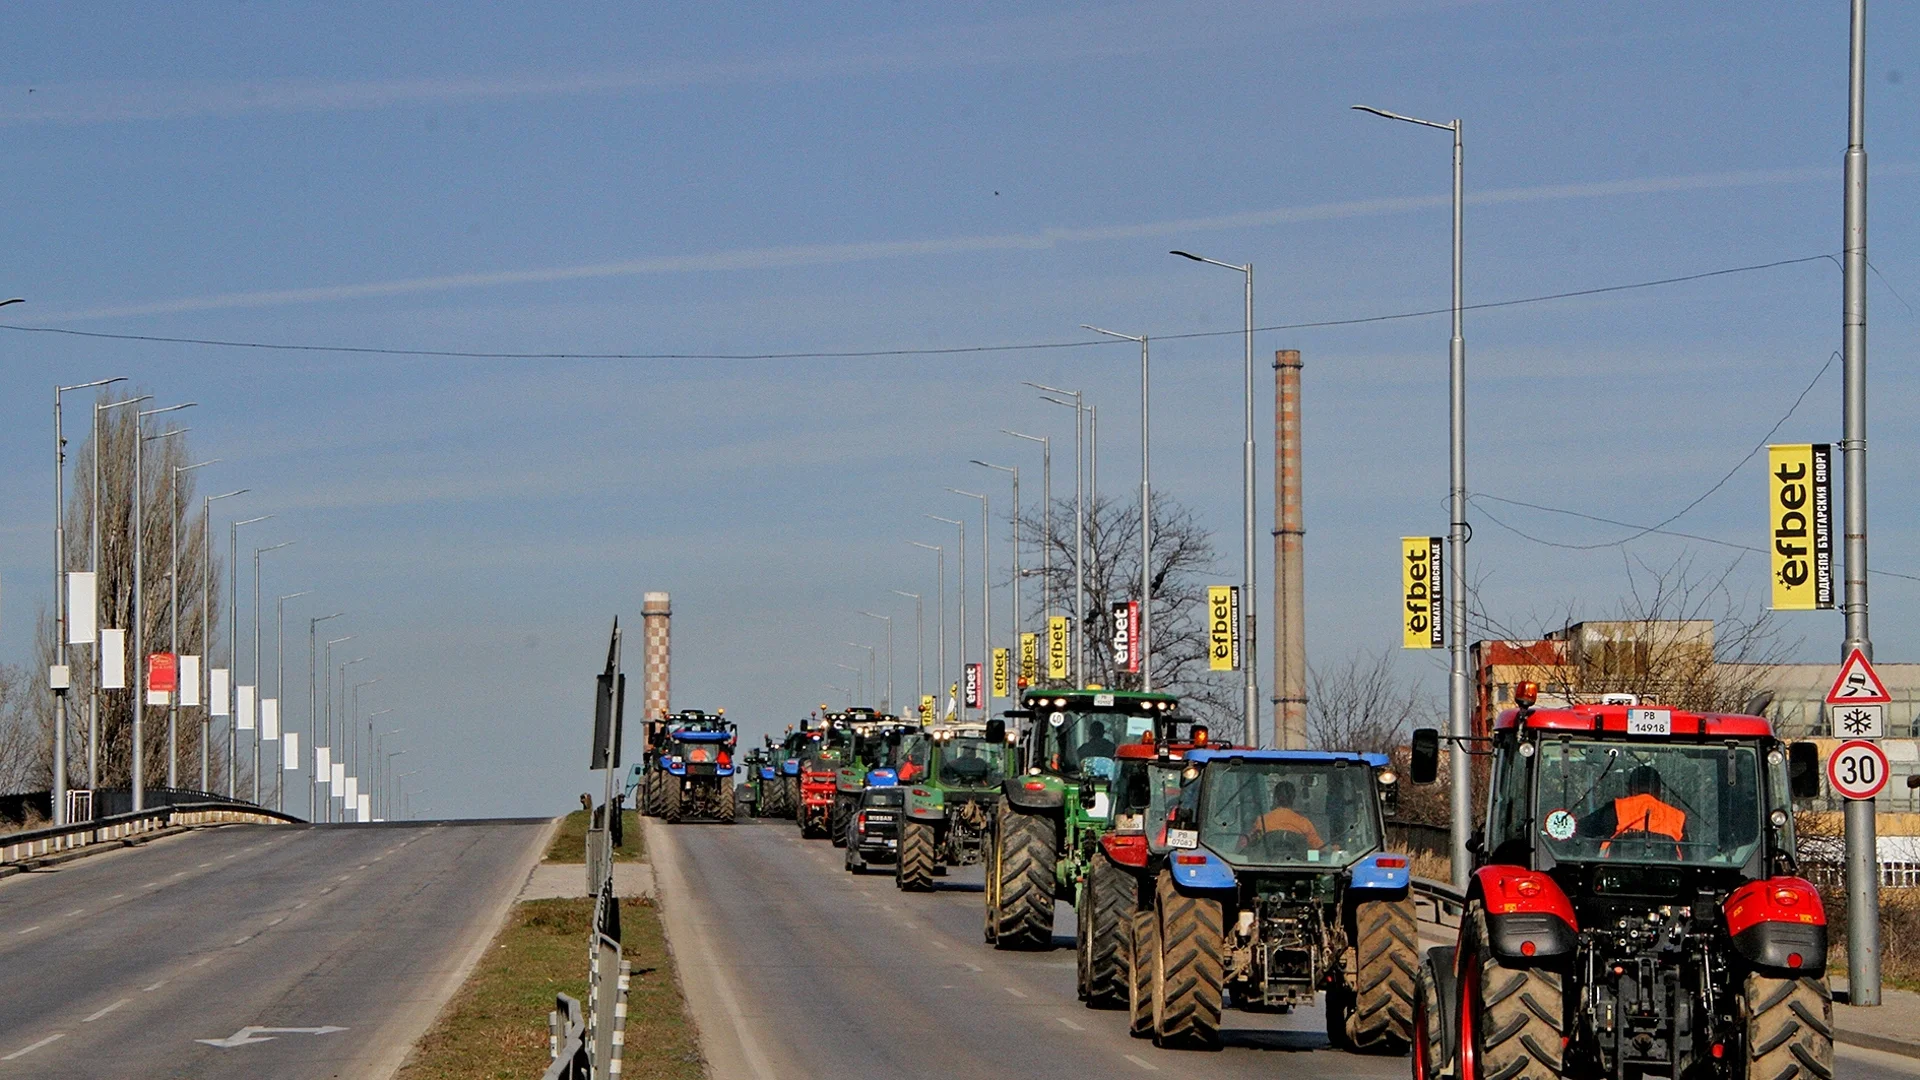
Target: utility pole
(960,642)
(173,615)
(139,602)
(1863,863)
(313,711)
(1046,520)
(60,614)
(919,647)
(206,636)
(940,573)
(1075,627)
(233,649)
(981,689)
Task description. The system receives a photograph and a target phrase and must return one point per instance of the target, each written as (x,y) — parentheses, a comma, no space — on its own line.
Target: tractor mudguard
(1528,916)
(926,804)
(1035,792)
(1780,924)
(1126,849)
(1446,1001)
(1201,869)
(1379,872)
(790,767)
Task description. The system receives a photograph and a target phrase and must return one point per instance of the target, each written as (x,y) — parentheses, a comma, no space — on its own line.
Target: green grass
(496,1027)
(570,843)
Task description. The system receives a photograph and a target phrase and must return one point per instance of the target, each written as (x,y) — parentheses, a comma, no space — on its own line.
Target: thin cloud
(785,257)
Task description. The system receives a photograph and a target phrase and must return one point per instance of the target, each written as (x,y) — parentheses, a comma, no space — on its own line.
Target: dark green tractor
(1054,803)
(873,748)
(951,775)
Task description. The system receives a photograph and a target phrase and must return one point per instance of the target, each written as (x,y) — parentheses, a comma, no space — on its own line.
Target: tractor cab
(699,743)
(954,756)
(1074,734)
(1147,784)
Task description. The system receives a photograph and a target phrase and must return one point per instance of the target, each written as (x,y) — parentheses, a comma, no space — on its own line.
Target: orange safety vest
(1646,814)
(1284,819)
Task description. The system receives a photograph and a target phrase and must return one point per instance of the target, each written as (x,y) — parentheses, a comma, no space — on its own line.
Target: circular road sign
(1857,769)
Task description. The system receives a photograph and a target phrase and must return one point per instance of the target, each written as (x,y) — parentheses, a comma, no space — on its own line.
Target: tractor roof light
(1387,778)
(1201,734)
(1526,693)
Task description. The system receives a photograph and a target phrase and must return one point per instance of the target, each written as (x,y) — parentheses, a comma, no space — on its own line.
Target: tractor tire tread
(1026,865)
(1789,1029)
(913,872)
(1192,939)
(1388,949)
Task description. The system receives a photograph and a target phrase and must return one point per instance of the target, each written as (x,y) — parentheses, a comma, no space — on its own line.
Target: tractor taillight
(1390,862)
(1527,947)
(1190,860)
(1794,960)
(1527,887)
(1786,897)
(725,758)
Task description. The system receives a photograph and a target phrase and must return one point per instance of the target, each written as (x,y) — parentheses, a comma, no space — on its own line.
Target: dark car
(873,830)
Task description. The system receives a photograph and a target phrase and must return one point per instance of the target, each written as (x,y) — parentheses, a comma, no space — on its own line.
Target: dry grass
(570,842)
(496,1027)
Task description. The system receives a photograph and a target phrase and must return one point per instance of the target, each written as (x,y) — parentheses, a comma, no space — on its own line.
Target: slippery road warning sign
(1857,684)
(1857,770)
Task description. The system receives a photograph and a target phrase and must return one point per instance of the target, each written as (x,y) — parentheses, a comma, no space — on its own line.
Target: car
(873,829)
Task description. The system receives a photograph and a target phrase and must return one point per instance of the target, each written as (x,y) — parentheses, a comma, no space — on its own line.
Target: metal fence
(33,844)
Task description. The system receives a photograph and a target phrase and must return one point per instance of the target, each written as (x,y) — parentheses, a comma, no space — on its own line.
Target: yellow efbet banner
(1000,673)
(1800,519)
(926,708)
(1057,647)
(1223,628)
(1420,597)
(1029,659)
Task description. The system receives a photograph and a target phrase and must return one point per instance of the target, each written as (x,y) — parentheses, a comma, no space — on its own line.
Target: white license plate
(1183,838)
(1649,722)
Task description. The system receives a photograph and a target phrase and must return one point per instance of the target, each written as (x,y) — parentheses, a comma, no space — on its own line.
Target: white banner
(292,759)
(269,719)
(339,778)
(82,607)
(243,719)
(189,680)
(113,659)
(352,789)
(158,697)
(323,764)
(366,808)
(219,696)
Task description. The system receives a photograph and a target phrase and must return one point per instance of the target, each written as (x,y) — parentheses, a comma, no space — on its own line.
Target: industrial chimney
(655,610)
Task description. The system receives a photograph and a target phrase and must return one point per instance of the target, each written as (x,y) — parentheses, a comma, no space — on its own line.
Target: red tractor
(1635,908)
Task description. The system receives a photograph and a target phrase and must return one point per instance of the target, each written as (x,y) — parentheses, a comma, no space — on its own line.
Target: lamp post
(919,647)
(986,597)
(206,636)
(858,694)
(313,711)
(1046,517)
(397,784)
(842,689)
(327,656)
(1457,718)
(59,590)
(1079,533)
(233,648)
(873,672)
(173,615)
(353,765)
(960,589)
(1249,651)
(343,750)
(140,438)
(1146,512)
(280,690)
(377,814)
(893,705)
(257,732)
(1013,642)
(93,702)
(379,742)
(940,573)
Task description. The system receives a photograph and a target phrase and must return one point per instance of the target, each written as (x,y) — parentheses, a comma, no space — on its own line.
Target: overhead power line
(464,354)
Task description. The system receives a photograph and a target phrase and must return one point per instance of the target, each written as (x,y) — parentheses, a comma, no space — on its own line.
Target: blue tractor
(1268,885)
(697,767)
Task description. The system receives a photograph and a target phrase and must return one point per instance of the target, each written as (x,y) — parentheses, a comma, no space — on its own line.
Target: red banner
(163,672)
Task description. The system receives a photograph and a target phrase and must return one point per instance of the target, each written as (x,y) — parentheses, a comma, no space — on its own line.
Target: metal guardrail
(1438,902)
(40,843)
(567,1042)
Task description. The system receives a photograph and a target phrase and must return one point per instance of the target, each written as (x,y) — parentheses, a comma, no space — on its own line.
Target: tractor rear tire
(1789,1029)
(913,871)
(1429,1020)
(1521,1015)
(1143,944)
(1388,946)
(1022,903)
(1111,894)
(837,819)
(1190,976)
(727,803)
(791,808)
(670,799)
(655,794)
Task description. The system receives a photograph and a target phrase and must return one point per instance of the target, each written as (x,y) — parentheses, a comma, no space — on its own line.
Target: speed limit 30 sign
(1857,769)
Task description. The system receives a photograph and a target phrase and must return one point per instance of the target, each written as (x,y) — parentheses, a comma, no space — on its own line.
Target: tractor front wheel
(913,871)
(1789,1029)
(1110,900)
(1020,901)
(1381,1020)
(1190,973)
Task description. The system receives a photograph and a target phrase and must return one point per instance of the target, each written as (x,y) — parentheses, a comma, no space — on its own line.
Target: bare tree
(1364,705)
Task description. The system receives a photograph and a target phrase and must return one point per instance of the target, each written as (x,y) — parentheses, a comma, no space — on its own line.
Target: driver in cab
(1284,819)
(1097,744)
(1639,814)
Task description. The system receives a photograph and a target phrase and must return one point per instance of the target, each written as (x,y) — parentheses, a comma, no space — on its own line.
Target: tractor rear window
(1633,802)
(1269,813)
(884,797)
(967,761)
(1163,792)
(1076,744)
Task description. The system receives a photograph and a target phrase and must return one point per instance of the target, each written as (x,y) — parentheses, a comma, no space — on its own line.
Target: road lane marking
(29,929)
(203,961)
(116,896)
(155,986)
(204,865)
(179,873)
(299,905)
(975,968)
(25,1050)
(244,940)
(1015,993)
(75,911)
(937,943)
(1143,1064)
(1069,1023)
(151,885)
(106,1010)
(276,922)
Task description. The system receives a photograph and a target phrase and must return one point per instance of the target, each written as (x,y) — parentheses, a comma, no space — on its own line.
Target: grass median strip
(496,1026)
(570,841)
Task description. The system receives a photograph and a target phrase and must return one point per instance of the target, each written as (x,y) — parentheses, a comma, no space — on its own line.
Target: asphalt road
(117,965)
(818,973)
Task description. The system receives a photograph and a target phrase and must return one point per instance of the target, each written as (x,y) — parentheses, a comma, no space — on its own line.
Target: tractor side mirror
(1803,770)
(996,730)
(1425,765)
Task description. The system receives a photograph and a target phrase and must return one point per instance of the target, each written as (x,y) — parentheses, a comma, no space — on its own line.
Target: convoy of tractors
(1634,907)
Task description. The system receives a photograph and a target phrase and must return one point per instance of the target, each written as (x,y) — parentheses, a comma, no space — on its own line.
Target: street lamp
(960,589)
(233,647)
(1145,643)
(1013,643)
(1046,517)
(173,614)
(258,731)
(1457,719)
(331,745)
(206,633)
(62,685)
(313,711)
(986,599)
(1079,532)
(893,706)
(396,783)
(858,693)
(354,764)
(1249,653)
(139,605)
(842,689)
(940,572)
(919,646)
(377,816)
(93,702)
(280,692)
(873,672)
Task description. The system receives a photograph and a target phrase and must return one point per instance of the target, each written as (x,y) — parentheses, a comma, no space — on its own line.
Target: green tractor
(1054,804)
(873,749)
(951,775)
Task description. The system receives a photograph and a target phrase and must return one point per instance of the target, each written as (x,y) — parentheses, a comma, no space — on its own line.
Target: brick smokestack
(1289,570)
(655,610)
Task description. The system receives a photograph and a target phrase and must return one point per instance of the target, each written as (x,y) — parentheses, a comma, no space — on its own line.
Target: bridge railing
(31,844)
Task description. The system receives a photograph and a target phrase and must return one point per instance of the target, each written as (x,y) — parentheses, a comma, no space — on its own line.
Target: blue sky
(773,178)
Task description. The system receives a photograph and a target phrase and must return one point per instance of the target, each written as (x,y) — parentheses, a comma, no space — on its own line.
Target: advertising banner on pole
(1057,647)
(926,708)
(339,777)
(1126,635)
(243,707)
(269,719)
(82,603)
(1223,628)
(1420,593)
(292,760)
(219,692)
(972,684)
(189,679)
(323,765)
(1000,673)
(1029,659)
(366,807)
(1800,521)
(113,659)
(163,676)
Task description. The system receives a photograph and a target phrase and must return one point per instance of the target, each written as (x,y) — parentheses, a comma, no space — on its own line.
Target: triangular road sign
(1857,684)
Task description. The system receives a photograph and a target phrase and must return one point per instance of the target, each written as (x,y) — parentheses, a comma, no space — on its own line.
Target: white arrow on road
(265,1034)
